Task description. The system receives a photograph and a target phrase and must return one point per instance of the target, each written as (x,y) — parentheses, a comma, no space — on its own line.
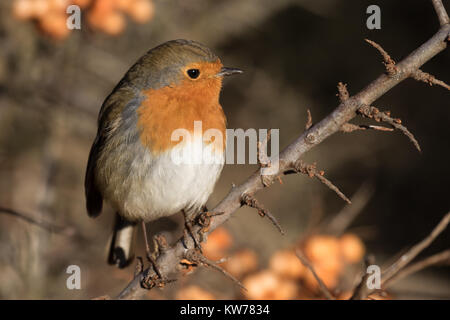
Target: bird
(133,165)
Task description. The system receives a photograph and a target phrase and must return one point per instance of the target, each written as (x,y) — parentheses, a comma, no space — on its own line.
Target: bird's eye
(193,73)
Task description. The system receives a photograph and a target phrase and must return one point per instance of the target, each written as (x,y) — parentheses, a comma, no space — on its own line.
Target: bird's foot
(189,231)
(204,220)
(151,280)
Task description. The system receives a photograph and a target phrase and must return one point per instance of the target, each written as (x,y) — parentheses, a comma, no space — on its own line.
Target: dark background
(294,53)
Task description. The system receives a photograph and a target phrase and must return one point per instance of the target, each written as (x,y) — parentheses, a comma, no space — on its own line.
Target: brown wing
(122,98)
(94,199)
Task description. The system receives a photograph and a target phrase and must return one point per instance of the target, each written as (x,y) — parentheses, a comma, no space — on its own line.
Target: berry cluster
(107,16)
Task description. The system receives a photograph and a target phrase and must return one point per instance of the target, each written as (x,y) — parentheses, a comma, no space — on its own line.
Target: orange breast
(169,108)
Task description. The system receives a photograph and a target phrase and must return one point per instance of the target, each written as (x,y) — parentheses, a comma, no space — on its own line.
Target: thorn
(350,127)
(377,115)
(309,121)
(263,159)
(419,75)
(389,63)
(311,171)
(196,257)
(249,200)
(343,92)
(280,180)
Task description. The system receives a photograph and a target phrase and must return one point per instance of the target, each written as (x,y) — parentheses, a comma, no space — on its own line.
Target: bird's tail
(121,249)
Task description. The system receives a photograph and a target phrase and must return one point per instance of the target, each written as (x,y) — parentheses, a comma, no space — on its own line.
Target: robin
(131,166)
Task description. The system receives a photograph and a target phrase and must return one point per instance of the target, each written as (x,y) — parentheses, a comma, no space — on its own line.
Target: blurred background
(294,52)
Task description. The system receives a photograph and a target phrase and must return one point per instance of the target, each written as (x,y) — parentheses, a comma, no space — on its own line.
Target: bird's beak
(228,71)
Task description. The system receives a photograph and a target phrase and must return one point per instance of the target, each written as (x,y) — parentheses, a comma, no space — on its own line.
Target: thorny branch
(169,261)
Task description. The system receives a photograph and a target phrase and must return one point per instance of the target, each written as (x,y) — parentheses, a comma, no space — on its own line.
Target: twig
(361,290)
(343,92)
(350,127)
(399,270)
(196,257)
(388,62)
(323,288)
(345,217)
(440,11)
(419,75)
(263,159)
(436,259)
(407,257)
(42,224)
(309,121)
(377,115)
(251,201)
(168,261)
(311,171)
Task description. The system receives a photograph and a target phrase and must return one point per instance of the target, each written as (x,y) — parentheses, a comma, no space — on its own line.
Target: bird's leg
(188,223)
(150,255)
(151,279)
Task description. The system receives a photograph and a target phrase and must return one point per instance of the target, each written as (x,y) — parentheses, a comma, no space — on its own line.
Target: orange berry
(193,293)
(319,248)
(22,9)
(113,23)
(81,3)
(141,11)
(329,278)
(40,8)
(58,5)
(218,242)
(267,285)
(344,295)
(241,263)
(103,7)
(286,264)
(124,4)
(54,24)
(352,248)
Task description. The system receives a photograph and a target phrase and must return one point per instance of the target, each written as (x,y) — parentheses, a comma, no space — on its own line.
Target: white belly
(162,186)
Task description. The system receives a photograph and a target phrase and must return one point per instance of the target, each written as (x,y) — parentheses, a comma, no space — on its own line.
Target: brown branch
(419,75)
(323,288)
(440,11)
(168,261)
